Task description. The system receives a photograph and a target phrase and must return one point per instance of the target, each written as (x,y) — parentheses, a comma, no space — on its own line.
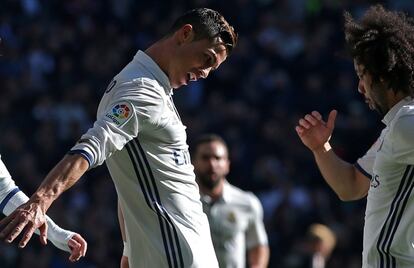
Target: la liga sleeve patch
(120,113)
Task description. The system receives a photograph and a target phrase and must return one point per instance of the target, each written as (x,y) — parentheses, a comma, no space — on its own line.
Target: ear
(185,34)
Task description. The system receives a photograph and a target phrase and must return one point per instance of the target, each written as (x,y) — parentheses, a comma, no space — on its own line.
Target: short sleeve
(256,233)
(365,164)
(403,140)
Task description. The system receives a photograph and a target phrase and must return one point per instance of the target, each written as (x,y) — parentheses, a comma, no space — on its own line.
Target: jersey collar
(225,196)
(153,67)
(394,110)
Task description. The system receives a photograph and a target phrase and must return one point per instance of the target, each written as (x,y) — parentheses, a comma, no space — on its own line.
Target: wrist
(326,147)
(41,200)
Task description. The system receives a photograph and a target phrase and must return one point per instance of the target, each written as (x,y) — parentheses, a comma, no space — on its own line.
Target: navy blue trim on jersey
(393,219)
(84,154)
(366,174)
(8,197)
(149,189)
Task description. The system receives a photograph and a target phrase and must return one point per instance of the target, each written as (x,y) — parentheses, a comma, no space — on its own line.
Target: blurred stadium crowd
(58,57)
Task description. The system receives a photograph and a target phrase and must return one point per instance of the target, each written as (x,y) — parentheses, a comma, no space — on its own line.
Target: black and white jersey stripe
(149,189)
(386,260)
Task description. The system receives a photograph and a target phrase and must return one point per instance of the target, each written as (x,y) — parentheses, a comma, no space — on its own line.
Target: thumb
(331,119)
(43,233)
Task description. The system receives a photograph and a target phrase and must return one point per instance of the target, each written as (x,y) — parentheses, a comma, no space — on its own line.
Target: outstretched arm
(32,215)
(347,181)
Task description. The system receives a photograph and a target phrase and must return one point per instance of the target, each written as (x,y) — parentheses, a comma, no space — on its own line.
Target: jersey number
(181,157)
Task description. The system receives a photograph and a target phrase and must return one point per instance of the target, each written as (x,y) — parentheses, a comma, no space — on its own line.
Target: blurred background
(59,56)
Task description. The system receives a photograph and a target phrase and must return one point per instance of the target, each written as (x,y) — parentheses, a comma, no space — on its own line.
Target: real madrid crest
(231,217)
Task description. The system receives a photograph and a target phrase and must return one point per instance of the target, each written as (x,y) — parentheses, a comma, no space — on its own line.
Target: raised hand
(314,131)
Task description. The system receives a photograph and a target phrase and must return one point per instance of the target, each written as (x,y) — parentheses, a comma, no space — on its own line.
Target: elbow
(346,197)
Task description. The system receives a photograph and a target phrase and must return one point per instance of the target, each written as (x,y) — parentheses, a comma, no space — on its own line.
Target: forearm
(339,174)
(258,257)
(65,174)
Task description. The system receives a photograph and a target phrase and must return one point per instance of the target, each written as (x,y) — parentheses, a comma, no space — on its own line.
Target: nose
(212,163)
(361,88)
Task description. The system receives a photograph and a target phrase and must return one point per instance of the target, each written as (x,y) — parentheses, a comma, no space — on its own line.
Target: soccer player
(381,44)
(235,216)
(139,133)
(11,198)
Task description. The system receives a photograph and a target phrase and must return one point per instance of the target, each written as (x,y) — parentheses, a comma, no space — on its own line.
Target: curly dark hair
(383,41)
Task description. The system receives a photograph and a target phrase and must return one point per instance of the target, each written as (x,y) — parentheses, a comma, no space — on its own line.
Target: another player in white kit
(139,134)
(382,47)
(235,216)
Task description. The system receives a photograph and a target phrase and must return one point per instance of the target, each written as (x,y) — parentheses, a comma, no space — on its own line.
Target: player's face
(195,59)
(374,93)
(211,163)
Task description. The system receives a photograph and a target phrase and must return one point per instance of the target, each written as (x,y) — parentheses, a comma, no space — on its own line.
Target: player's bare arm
(258,257)
(124,258)
(32,215)
(342,177)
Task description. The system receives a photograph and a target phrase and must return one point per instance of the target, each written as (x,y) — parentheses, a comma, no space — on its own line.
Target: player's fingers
(331,119)
(299,130)
(317,115)
(75,248)
(311,119)
(73,244)
(4,223)
(13,229)
(43,234)
(83,244)
(305,124)
(30,228)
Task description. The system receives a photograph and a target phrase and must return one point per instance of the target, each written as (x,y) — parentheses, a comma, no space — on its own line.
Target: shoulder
(245,198)
(138,88)
(403,125)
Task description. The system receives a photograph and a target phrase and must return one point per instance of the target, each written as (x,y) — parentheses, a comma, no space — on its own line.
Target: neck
(395,98)
(160,53)
(215,193)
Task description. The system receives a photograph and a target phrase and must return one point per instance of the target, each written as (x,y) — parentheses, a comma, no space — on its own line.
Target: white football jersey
(139,134)
(389,216)
(7,186)
(236,223)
